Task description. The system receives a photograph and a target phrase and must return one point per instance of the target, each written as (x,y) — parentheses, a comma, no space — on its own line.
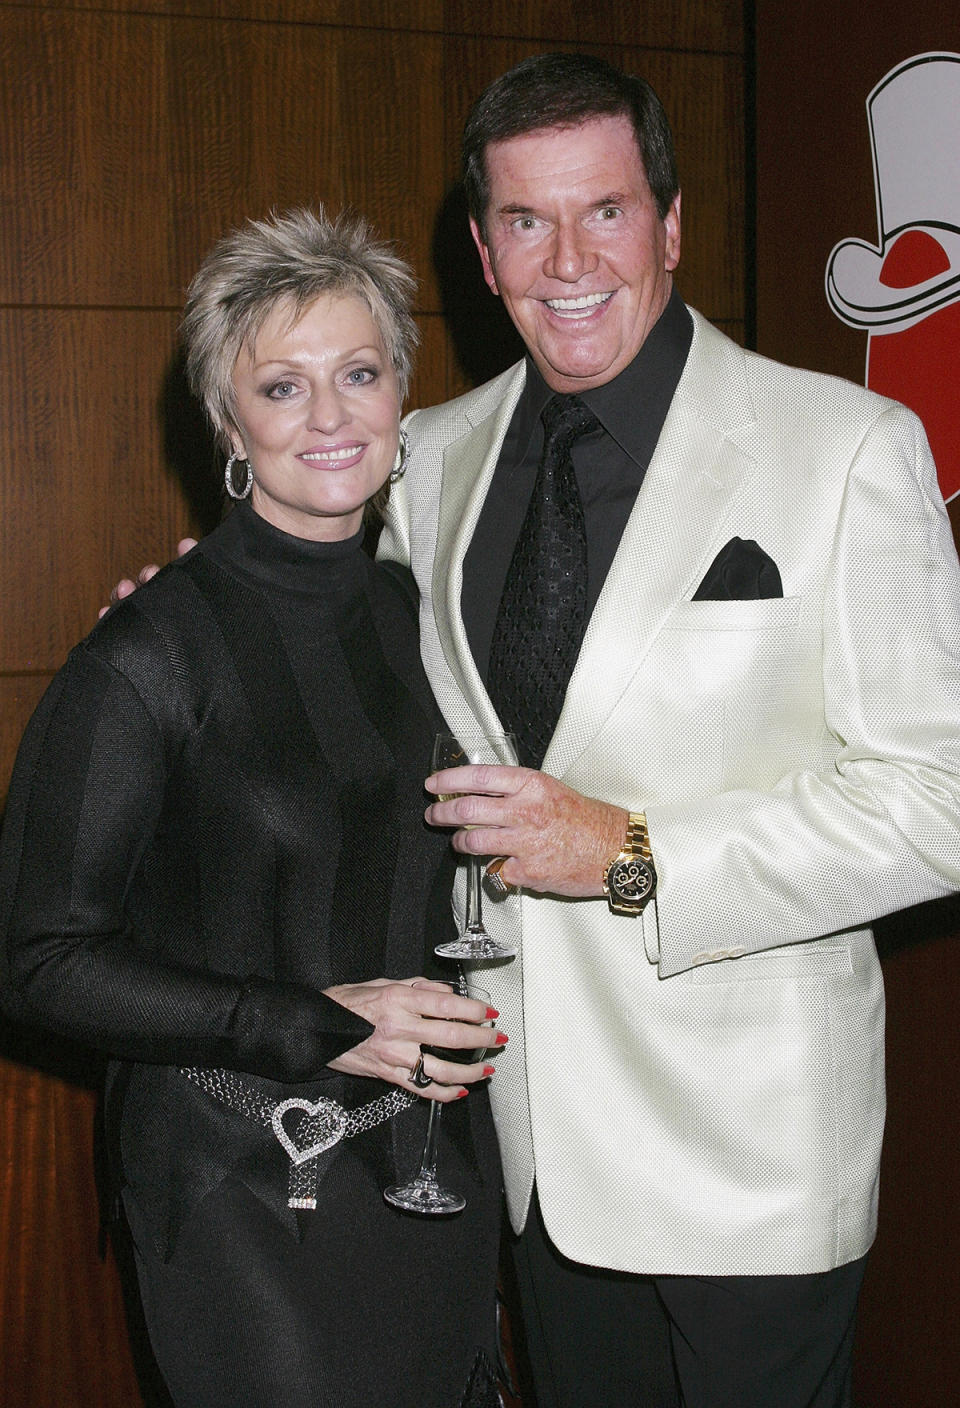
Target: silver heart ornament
(328,1110)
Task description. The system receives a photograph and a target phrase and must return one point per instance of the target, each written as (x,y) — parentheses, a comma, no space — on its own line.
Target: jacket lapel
(677,525)
(467,470)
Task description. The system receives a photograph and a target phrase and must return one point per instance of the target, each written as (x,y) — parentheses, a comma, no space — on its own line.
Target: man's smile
(577,305)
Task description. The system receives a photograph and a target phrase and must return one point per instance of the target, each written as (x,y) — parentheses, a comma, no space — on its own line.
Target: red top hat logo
(905,292)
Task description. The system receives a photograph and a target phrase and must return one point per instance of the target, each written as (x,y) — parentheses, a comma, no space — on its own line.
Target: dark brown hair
(565,90)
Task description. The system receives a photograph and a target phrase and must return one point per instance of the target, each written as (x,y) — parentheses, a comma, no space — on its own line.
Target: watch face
(632,879)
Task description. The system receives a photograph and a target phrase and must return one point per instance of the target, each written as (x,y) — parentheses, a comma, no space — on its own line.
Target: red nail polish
(492,1012)
(489,1070)
(462,1093)
(502,1039)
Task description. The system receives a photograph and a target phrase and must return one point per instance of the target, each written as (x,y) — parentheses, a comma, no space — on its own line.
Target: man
(756,724)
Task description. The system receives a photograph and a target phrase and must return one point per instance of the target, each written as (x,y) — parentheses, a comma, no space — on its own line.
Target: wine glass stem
(474,916)
(428,1162)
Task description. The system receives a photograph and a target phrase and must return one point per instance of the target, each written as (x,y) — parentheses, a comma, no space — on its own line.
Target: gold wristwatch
(630,879)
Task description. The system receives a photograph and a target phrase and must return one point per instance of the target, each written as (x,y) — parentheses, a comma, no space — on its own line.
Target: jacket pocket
(797,963)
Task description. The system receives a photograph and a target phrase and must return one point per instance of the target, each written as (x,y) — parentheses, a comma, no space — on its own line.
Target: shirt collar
(648,383)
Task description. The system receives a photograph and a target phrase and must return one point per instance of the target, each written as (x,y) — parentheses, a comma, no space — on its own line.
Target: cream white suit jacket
(700,1091)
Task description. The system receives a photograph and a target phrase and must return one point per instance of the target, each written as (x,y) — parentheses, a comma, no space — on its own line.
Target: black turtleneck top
(217,811)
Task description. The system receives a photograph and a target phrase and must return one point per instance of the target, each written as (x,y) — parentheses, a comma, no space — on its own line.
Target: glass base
(474,948)
(425,1196)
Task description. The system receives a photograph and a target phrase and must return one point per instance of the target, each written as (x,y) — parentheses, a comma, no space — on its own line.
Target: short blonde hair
(290,258)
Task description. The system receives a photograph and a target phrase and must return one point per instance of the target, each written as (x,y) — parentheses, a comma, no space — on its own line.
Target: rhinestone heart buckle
(325,1125)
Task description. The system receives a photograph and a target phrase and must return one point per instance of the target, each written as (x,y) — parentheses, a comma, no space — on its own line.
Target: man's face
(575,248)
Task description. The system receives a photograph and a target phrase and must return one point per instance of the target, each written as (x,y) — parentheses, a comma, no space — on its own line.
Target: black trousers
(624,1341)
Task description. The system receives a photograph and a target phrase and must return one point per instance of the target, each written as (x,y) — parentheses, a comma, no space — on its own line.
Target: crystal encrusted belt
(324,1122)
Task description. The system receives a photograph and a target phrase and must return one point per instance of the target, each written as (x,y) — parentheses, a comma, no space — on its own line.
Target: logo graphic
(905,291)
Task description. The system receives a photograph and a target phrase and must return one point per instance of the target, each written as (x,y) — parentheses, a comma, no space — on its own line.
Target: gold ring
(497,882)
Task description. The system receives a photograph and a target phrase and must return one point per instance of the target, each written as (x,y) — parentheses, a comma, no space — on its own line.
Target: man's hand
(126,585)
(557,841)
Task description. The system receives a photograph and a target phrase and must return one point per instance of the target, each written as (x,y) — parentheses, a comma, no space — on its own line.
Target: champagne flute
(451,751)
(424,1193)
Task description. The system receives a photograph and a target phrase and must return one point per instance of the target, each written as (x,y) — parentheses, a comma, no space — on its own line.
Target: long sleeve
(88,799)
(876,826)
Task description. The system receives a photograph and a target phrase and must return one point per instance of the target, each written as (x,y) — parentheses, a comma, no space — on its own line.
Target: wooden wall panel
(86,483)
(657,24)
(144,140)
(59,1333)
(132,133)
(85,229)
(704,97)
(82,158)
(319,136)
(391,15)
(670,24)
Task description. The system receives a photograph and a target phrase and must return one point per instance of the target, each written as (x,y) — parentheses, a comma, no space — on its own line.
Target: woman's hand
(408,1015)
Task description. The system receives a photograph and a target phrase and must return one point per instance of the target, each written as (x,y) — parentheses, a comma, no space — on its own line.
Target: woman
(217,848)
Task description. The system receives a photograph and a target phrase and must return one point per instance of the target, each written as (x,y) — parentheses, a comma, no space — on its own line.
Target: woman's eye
(280,390)
(361,376)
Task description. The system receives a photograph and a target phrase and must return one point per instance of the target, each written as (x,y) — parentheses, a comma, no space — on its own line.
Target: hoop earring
(228,479)
(403,455)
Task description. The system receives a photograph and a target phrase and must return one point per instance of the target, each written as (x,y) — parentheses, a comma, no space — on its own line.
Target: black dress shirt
(610,465)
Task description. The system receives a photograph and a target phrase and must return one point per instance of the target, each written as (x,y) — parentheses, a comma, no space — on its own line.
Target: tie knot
(565,419)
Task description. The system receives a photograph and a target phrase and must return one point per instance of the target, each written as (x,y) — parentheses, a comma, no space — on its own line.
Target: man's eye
(610,212)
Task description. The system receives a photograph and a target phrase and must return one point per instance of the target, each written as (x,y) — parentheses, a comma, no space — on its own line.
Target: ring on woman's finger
(418,1075)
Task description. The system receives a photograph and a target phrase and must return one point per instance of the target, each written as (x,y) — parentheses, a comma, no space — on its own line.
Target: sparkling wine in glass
(425,1193)
(453,751)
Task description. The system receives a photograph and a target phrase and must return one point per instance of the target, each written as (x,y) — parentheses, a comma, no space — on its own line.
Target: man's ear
(485,260)
(671,223)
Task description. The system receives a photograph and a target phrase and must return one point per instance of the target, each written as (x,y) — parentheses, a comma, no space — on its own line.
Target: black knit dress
(216,812)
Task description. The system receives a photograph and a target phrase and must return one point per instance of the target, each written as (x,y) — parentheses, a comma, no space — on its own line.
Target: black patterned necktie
(540,623)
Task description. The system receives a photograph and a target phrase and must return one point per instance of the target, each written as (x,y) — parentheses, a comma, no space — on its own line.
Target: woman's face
(317,412)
